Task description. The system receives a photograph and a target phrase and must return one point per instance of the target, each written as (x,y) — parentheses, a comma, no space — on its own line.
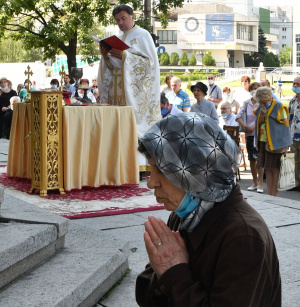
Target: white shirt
(89,95)
(174,110)
(229,121)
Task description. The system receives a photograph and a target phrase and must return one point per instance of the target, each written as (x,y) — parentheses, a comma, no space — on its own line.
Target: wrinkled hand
(172,250)
(116,53)
(104,51)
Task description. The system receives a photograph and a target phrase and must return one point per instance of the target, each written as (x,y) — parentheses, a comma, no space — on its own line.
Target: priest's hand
(164,247)
(104,52)
(116,53)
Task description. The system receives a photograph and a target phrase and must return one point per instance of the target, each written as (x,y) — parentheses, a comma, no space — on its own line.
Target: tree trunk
(71,55)
(147,12)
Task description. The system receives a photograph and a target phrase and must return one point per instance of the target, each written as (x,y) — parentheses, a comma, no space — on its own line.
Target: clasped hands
(114,52)
(165,248)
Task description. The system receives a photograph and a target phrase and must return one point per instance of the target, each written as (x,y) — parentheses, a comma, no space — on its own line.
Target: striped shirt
(180,101)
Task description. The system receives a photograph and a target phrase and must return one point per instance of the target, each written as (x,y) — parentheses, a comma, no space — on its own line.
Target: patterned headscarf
(195,154)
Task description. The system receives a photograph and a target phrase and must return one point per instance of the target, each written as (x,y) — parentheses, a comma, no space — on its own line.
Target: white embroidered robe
(134,81)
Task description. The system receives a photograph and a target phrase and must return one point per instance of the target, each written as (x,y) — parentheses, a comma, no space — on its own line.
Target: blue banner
(219,27)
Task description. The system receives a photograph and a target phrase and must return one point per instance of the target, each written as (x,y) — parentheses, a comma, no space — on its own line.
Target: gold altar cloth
(19,152)
(99,146)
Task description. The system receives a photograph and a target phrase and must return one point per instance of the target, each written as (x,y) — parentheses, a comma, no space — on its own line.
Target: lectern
(46,141)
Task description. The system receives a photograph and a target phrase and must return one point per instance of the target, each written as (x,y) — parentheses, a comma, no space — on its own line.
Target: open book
(112,42)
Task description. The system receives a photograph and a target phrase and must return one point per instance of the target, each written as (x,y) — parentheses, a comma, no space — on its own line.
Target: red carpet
(88,202)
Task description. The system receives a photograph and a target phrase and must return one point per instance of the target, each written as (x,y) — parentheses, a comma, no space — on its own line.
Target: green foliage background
(66,26)
(184,61)
(174,59)
(193,60)
(285,56)
(208,60)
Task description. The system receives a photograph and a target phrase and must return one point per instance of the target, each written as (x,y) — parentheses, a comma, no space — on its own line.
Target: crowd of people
(215,250)
(258,112)
(8,97)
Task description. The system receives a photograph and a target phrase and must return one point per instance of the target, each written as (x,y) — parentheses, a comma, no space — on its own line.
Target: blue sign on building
(219,27)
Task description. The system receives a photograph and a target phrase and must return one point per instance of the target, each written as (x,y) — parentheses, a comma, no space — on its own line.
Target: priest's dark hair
(122,7)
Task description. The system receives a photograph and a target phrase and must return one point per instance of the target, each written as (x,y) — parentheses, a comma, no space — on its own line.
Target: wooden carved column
(46,141)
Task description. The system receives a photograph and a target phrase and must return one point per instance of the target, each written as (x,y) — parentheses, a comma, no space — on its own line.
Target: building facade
(210,27)
(296,37)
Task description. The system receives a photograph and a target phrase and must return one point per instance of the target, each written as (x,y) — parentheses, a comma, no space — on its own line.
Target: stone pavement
(282,216)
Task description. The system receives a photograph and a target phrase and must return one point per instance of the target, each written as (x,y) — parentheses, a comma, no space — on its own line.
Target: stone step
(25,246)
(28,237)
(79,275)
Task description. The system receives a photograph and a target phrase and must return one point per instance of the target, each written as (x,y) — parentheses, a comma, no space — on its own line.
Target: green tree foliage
(286,55)
(65,26)
(257,57)
(193,60)
(174,58)
(248,60)
(54,26)
(184,61)
(164,59)
(159,55)
(271,60)
(13,52)
(208,60)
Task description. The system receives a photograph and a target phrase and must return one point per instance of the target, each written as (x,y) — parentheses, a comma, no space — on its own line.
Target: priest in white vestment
(132,77)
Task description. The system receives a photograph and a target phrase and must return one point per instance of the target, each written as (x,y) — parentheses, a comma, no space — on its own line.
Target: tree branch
(54,8)
(41,16)
(28,30)
(34,17)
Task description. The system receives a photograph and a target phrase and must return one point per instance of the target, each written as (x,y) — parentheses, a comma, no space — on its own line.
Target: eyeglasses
(210,78)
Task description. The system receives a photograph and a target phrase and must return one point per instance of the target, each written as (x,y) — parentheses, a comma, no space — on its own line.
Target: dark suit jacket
(233,262)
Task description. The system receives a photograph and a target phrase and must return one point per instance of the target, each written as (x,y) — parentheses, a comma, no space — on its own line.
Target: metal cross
(28,73)
(62,73)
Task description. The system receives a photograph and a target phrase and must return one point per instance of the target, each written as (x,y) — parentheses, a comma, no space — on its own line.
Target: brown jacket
(233,262)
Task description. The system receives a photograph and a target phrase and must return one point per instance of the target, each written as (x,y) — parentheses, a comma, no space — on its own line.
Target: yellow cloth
(263,130)
(99,146)
(19,152)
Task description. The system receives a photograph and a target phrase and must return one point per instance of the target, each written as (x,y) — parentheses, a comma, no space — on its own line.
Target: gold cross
(28,73)
(62,73)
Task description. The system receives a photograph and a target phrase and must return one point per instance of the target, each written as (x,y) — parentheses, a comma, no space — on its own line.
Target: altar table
(99,146)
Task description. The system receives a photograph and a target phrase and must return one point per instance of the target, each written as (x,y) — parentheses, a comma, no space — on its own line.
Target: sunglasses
(210,78)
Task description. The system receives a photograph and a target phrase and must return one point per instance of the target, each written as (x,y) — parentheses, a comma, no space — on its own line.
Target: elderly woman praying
(215,250)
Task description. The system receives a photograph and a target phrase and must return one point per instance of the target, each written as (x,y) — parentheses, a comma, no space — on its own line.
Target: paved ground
(282,215)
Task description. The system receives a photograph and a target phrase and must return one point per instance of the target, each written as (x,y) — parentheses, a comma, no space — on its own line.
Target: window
(297,38)
(283,45)
(283,29)
(250,34)
(167,36)
(244,32)
(298,54)
(283,37)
